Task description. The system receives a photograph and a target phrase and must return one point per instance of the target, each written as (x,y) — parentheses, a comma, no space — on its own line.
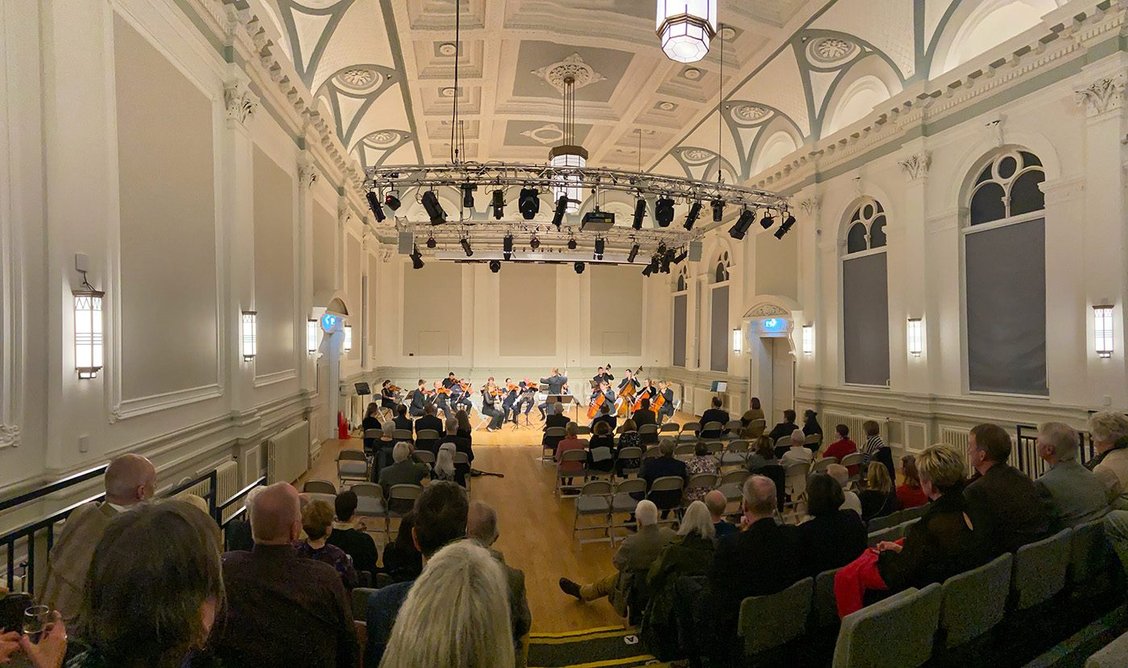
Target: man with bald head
(481,526)
(129,480)
(282,609)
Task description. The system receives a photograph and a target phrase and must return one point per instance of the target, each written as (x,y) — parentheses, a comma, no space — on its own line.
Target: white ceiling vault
(795,71)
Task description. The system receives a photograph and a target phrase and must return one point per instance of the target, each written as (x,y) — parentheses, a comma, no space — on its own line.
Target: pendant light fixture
(686,27)
(568,154)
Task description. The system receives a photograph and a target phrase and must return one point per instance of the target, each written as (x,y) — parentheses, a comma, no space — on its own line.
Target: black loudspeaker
(406,243)
(362,389)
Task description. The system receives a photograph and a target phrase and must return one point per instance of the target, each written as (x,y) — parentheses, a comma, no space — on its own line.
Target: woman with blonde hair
(879,498)
(456,614)
(317,522)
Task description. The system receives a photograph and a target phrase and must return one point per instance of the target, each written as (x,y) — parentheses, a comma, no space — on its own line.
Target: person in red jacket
(842,447)
(909,493)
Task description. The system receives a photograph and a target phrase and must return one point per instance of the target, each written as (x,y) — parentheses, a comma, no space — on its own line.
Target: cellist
(628,388)
(601,395)
(664,402)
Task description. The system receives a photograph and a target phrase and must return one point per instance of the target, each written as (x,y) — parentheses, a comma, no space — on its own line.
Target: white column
(308,176)
(908,271)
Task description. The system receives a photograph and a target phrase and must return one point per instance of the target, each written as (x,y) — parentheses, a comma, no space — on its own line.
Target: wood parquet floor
(535,525)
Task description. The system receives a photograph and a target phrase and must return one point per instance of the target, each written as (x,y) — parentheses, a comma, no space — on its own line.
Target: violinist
(389,395)
(511,393)
(527,390)
(459,392)
(450,381)
(420,397)
(441,395)
(491,405)
(602,395)
(664,402)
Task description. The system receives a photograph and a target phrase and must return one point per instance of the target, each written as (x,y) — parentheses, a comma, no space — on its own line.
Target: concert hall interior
(838,286)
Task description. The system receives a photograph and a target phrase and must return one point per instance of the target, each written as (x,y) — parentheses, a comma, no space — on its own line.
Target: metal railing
(1026,450)
(237,497)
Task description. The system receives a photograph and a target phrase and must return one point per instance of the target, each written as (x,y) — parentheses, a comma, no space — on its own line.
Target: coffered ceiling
(794,70)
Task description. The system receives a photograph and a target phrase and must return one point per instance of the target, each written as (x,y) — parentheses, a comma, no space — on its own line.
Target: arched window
(721,269)
(681,317)
(1004,244)
(719,335)
(865,296)
(683,280)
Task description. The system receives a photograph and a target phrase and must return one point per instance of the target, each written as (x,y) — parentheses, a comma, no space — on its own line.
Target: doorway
(771,376)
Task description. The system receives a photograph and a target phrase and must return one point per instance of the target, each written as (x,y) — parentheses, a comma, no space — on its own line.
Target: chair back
(648,429)
(427,435)
(373,433)
(712,426)
(667,483)
(883,523)
(796,479)
(702,481)
(738,446)
(652,451)
(582,430)
(813,439)
(975,601)
(320,487)
(352,465)
(914,513)
(821,464)
(461,458)
(691,427)
(368,489)
(402,435)
(733,426)
(733,478)
(404,492)
(631,486)
(555,432)
(715,447)
(351,456)
(767,622)
(667,428)
(784,441)
(1039,570)
(824,607)
(852,459)
(685,451)
(424,457)
(359,599)
(596,488)
(893,633)
(889,534)
(1089,553)
(630,452)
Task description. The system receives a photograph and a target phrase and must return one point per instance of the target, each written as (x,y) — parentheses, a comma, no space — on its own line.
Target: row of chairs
(900,517)
(354,465)
(370,499)
(938,618)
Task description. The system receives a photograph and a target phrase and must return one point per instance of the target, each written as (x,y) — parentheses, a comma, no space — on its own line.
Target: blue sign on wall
(329,322)
(773,325)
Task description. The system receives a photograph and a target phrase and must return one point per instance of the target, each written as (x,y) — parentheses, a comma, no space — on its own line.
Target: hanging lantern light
(87,329)
(685,28)
(568,154)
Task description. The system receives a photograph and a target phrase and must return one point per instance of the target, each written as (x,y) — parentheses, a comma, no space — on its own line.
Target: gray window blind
(1006,309)
(680,308)
(719,336)
(865,320)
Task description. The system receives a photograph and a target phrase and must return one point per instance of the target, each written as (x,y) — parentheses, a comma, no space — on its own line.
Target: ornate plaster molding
(9,436)
(573,66)
(765,309)
(240,101)
(1104,94)
(811,205)
(308,175)
(916,166)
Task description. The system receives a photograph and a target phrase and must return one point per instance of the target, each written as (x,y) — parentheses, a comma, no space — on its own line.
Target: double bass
(626,394)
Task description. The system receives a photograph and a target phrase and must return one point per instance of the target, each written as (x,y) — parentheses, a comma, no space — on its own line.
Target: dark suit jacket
(555,384)
(609,419)
(832,540)
(783,429)
(757,561)
(402,422)
(1006,508)
(658,467)
(713,415)
(429,422)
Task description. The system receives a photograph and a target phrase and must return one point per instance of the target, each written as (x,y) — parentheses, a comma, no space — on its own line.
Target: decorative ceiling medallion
(447,91)
(749,113)
(550,133)
(360,79)
(666,105)
(383,138)
(572,66)
(692,73)
(448,49)
(697,155)
(831,51)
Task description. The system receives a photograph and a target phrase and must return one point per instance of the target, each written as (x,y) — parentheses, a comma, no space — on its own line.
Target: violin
(394,388)
(442,390)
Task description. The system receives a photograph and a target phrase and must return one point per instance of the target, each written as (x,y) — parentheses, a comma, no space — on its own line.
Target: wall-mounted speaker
(406,243)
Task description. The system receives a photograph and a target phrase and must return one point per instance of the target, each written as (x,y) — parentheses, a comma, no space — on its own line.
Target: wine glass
(35,621)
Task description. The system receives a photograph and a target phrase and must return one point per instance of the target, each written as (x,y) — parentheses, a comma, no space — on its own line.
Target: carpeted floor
(611,646)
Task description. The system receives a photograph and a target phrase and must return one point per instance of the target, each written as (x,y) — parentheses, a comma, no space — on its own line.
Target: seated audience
(440,518)
(465,429)
(716,502)
(754,414)
(763,454)
(1075,494)
(943,543)
(279,605)
(702,462)
(1003,503)
(601,448)
(317,522)
(661,467)
(797,453)
(605,416)
(382,448)
(878,496)
(556,418)
(1109,431)
(456,614)
(444,466)
(401,420)
(402,560)
(632,563)
(842,477)
(371,421)
(909,493)
(811,426)
(832,537)
(428,421)
(129,480)
(628,439)
(783,429)
(351,538)
(404,471)
(714,414)
(644,416)
(481,526)
(875,449)
(688,554)
(463,444)
(842,447)
(571,442)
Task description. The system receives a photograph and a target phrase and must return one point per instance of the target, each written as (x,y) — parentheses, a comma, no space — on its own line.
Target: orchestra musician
(528,391)
(628,388)
(664,402)
(556,384)
(512,393)
(459,392)
(441,399)
(420,397)
(389,395)
(491,405)
(603,375)
(600,397)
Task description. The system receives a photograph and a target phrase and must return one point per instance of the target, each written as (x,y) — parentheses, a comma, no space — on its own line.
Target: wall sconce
(808,339)
(348,338)
(87,329)
(311,336)
(914,331)
(1102,330)
(249,339)
(738,341)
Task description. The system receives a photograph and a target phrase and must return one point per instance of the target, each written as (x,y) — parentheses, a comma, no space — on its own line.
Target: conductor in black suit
(556,383)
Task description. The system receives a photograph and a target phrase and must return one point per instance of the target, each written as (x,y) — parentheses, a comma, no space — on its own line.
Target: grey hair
(759,494)
(444,462)
(667,447)
(558,408)
(451,425)
(698,520)
(840,473)
(389,428)
(797,437)
(456,614)
(1062,437)
(401,452)
(481,523)
(1108,426)
(646,513)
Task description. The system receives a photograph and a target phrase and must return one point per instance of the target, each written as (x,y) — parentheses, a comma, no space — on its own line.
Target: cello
(594,406)
(627,394)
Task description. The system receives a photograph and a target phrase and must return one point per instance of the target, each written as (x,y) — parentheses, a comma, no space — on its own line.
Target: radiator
(854,422)
(226,483)
(954,436)
(287,453)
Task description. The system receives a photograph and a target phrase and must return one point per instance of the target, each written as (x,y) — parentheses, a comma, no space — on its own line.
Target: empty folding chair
(735,454)
(974,602)
(401,499)
(594,501)
(795,480)
(896,632)
(813,442)
(820,465)
(319,487)
(715,447)
(731,485)
(352,465)
(369,499)
(627,495)
(668,428)
(666,493)
(769,622)
(1039,570)
(573,464)
(853,459)
(403,435)
(689,431)
(883,523)
(648,434)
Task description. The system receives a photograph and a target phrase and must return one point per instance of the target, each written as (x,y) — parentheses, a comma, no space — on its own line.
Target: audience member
(842,476)
(1074,493)
(371,421)
(354,540)
(279,605)
(632,563)
(943,543)
(455,615)
(481,526)
(605,416)
(878,496)
(401,420)
(444,466)
(628,439)
(556,418)
(403,472)
(832,537)
(752,422)
(688,554)
(428,421)
(811,426)
(402,560)
(1003,503)
(797,453)
(784,429)
(661,467)
(842,447)
(1109,431)
(644,416)
(763,454)
(317,522)
(875,449)
(383,449)
(440,518)
(463,444)
(465,429)
(571,442)
(716,502)
(601,448)
(909,493)
(701,462)
(129,480)
(714,414)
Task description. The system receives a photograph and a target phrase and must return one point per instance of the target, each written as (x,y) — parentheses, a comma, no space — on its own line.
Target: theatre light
(691,217)
(572,244)
(468,195)
(561,209)
(534,243)
(718,210)
(785,227)
(664,211)
(507,247)
(529,203)
(495,266)
(249,335)
(1102,330)
(347,345)
(465,243)
(633,254)
(767,221)
(392,200)
(374,204)
(312,331)
(639,213)
(747,217)
(434,209)
(417,257)
(600,246)
(87,328)
(498,204)
(737,341)
(808,339)
(579,267)
(914,335)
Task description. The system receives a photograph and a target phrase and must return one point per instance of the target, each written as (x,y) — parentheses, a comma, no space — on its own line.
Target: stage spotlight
(374,204)
(507,247)
(529,203)
(495,266)
(718,210)
(468,195)
(431,243)
(654,264)
(416,258)
(392,200)
(639,213)
(648,270)
(664,263)
(633,254)
(434,209)
(571,244)
(579,267)
(785,227)
(767,220)
(534,243)
(561,208)
(498,204)
(600,246)
(747,217)
(691,217)
(466,247)
(664,211)
(680,257)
